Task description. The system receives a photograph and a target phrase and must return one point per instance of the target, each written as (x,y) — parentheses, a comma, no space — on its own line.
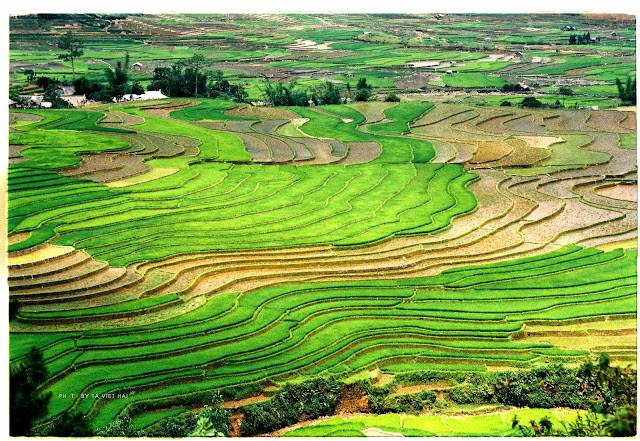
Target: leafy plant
(627,93)
(25,403)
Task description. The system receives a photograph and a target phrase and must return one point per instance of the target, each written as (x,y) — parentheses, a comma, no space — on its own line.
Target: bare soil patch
(522,154)
(524,124)
(408,390)
(268,126)
(375,432)
(128,120)
(607,120)
(489,151)
(46,252)
(238,126)
(623,192)
(373,111)
(361,152)
(630,121)
(243,402)
(464,152)
(541,142)
(105,167)
(18,237)
(256,147)
(155,173)
(444,151)
(324,112)
(262,113)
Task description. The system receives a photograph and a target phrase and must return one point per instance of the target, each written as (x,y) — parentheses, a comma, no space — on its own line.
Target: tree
(52,96)
(563,90)
(121,427)
(195,63)
(329,94)
(363,90)
(45,82)
(14,304)
(118,79)
(531,102)
(25,404)
(238,93)
(71,425)
(281,95)
(73,48)
(213,420)
(169,80)
(137,89)
(31,75)
(627,94)
(392,98)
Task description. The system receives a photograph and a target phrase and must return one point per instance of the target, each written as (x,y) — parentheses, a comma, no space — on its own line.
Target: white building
(148,95)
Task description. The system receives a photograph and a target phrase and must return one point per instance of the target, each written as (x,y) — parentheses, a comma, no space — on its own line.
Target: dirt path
(243,402)
(375,432)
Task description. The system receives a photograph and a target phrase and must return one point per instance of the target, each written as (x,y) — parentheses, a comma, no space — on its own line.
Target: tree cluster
(116,87)
(313,399)
(581,39)
(181,81)
(513,88)
(25,403)
(213,420)
(329,93)
(72,47)
(221,88)
(363,90)
(598,387)
(392,98)
(279,94)
(382,399)
(531,102)
(627,93)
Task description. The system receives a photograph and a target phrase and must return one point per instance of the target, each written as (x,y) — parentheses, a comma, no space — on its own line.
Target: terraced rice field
(179,247)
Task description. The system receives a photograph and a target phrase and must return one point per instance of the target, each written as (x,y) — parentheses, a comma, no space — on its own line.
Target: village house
(137,65)
(66,90)
(67,93)
(148,95)
(74,100)
(37,99)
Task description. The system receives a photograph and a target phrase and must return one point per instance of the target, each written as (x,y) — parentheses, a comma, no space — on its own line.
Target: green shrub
(531,102)
(392,98)
(312,399)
